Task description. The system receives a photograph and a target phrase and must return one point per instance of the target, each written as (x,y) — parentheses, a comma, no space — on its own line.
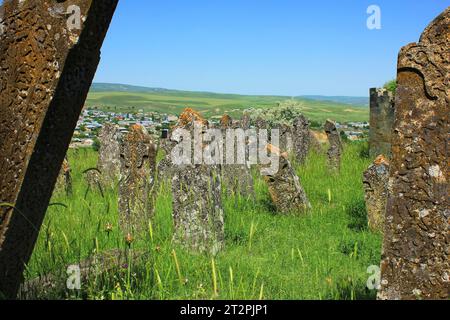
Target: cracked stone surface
(46,69)
(415,261)
(197,205)
(137,179)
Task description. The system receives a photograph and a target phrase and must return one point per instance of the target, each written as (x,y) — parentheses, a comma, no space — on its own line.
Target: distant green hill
(126,98)
(354,101)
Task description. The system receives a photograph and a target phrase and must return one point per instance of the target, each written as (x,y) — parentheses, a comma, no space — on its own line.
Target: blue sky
(286,47)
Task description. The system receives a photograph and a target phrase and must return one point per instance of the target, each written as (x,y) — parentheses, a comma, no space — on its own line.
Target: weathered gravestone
(376,187)
(382,112)
(137,179)
(93,179)
(226,122)
(285,190)
(104,265)
(261,124)
(196,191)
(335,149)
(108,155)
(415,261)
(49,52)
(301,138)
(245,121)
(64,181)
(236,177)
(165,166)
(286,138)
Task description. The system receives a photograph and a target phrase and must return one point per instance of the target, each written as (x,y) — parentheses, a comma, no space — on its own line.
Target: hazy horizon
(226,93)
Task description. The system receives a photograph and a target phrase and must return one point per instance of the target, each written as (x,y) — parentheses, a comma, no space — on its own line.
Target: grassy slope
(211,104)
(320,255)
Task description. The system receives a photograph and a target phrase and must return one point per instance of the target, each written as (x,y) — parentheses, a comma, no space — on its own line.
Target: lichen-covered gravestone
(382,112)
(286,138)
(108,155)
(335,149)
(49,52)
(376,187)
(197,205)
(137,177)
(415,261)
(285,190)
(245,121)
(64,181)
(301,138)
(236,177)
(93,180)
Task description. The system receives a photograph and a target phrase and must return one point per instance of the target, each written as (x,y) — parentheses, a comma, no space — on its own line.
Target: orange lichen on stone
(320,136)
(136,127)
(65,166)
(189,116)
(381,159)
(226,121)
(277,151)
(137,133)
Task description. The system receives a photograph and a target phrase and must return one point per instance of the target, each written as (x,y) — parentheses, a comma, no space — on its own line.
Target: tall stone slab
(64,181)
(382,113)
(415,261)
(286,192)
(286,134)
(261,124)
(236,178)
(93,178)
(245,121)
(108,155)
(376,189)
(197,204)
(301,138)
(335,150)
(137,179)
(197,209)
(49,52)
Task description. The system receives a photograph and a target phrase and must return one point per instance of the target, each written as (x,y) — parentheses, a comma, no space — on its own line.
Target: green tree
(391,85)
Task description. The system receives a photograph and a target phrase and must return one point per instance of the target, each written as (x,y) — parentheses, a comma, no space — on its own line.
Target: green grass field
(211,104)
(323,254)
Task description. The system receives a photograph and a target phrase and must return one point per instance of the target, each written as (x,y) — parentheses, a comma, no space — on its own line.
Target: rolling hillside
(126,98)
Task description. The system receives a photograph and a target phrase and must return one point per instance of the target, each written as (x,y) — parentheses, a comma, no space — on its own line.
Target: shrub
(391,85)
(284,113)
(358,215)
